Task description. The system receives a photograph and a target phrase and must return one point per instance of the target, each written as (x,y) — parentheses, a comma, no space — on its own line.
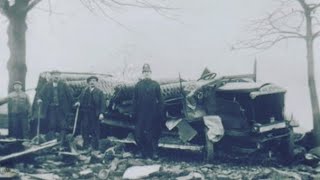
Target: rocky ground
(118,162)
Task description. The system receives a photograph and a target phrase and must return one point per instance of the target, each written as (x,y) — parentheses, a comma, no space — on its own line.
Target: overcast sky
(73,39)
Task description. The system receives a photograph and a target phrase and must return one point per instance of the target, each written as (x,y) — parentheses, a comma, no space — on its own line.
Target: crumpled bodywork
(215,128)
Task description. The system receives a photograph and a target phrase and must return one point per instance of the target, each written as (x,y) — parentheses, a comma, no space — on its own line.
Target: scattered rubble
(48,176)
(85,172)
(7,173)
(139,172)
(192,175)
(33,149)
(118,162)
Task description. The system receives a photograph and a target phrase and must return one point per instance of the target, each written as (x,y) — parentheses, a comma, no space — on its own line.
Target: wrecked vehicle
(211,114)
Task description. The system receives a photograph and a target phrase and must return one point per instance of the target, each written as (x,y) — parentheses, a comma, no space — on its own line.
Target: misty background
(198,34)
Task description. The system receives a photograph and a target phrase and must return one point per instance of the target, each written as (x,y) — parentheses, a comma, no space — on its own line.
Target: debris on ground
(7,173)
(116,161)
(139,172)
(48,176)
(192,175)
(30,150)
(85,172)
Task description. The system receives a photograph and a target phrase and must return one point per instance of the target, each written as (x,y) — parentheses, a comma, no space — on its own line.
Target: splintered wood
(33,149)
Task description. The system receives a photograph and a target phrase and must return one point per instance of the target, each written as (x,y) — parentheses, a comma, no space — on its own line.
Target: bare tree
(292,19)
(16,12)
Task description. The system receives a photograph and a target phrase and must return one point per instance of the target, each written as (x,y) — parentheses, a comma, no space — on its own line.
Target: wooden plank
(124,124)
(190,147)
(33,149)
(11,140)
(186,132)
(117,123)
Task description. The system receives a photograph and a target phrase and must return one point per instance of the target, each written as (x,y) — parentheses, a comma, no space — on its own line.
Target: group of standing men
(55,101)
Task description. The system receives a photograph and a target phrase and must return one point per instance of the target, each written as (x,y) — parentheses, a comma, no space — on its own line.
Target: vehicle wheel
(209,148)
(287,148)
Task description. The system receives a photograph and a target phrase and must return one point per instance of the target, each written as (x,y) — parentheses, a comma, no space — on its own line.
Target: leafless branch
(99,6)
(262,44)
(32,4)
(285,22)
(304,5)
(137,4)
(140,4)
(108,16)
(158,6)
(88,5)
(314,6)
(316,35)
(50,11)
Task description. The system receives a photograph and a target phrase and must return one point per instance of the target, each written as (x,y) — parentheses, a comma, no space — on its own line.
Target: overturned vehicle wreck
(211,114)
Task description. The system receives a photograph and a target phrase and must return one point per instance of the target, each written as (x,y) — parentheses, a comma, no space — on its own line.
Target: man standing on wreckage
(148,110)
(55,100)
(19,110)
(92,106)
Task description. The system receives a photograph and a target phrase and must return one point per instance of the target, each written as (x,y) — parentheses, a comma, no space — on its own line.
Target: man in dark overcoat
(92,106)
(19,110)
(55,100)
(148,110)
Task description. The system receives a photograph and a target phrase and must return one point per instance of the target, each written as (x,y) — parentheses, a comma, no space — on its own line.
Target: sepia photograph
(159,89)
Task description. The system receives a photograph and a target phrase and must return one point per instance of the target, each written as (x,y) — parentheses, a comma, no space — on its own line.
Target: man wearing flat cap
(92,106)
(148,109)
(19,109)
(55,100)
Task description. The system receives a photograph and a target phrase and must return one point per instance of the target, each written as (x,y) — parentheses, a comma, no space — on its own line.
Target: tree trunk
(17,28)
(311,80)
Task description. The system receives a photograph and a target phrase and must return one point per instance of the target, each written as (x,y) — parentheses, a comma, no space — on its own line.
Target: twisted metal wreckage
(229,113)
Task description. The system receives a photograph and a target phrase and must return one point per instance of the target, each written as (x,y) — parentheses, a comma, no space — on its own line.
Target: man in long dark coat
(148,110)
(92,106)
(55,100)
(19,109)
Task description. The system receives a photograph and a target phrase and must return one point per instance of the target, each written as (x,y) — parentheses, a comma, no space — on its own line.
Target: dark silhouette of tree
(292,19)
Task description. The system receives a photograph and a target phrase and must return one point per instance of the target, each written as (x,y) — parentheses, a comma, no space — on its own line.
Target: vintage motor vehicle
(211,114)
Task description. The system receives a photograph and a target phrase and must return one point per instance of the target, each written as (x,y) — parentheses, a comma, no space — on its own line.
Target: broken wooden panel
(172,123)
(163,144)
(47,176)
(215,128)
(33,149)
(118,123)
(12,140)
(186,132)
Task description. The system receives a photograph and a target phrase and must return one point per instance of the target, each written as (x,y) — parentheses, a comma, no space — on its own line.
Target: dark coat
(18,102)
(99,100)
(65,96)
(148,107)
(18,112)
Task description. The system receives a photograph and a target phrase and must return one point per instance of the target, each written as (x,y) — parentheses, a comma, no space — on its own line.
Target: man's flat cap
(17,82)
(92,77)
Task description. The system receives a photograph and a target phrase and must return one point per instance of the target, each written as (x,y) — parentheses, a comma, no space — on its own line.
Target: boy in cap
(92,106)
(55,100)
(19,109)
(148,107)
